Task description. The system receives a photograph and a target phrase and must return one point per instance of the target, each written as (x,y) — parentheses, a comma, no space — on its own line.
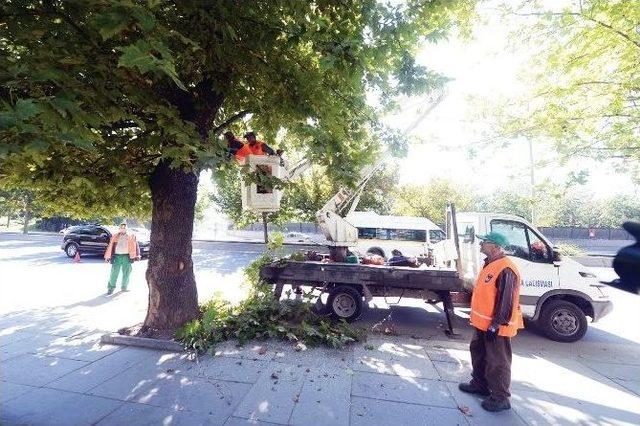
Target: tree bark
(27,219)
(173,296)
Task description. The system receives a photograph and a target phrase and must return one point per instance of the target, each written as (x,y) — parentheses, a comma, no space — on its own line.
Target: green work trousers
(120,261)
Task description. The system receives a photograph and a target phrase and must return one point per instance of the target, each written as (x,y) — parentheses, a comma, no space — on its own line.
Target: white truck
(557,294)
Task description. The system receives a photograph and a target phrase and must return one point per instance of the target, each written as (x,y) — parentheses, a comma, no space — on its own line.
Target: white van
(557,293)
(380,234)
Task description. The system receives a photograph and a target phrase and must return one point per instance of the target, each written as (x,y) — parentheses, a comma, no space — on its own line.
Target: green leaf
(25,109)
(137,56)
(111,22)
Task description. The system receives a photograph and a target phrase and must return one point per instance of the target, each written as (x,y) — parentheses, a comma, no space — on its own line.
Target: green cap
(495,238)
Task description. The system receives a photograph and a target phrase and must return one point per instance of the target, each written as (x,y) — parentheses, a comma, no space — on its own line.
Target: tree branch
(235,117)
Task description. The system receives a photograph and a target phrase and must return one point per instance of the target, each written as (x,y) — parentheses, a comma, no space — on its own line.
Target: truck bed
(313,273)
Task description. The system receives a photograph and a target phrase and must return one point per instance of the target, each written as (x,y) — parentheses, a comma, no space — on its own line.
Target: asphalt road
(39,280)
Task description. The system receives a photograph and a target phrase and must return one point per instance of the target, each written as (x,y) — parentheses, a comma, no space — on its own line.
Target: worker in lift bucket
(258,147)
(235,147)
(496,318)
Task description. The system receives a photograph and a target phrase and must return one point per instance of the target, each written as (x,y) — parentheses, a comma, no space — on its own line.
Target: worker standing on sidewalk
(496,318)
(122,251)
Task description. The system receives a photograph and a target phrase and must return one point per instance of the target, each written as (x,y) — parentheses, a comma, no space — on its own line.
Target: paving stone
(37,370)
(374,412)
(148,415)
(611,407)
(616,372)
(448,354)
(12,390)
(33,344)
(225,368)
(537,408)
(453,372)
(272,397)
(394,358)
(193,394)
(55,407)
(287,353)
(237,421)
(10,336)
(469,405)
(324,399)
(401,389)
(100,371)
(127,385)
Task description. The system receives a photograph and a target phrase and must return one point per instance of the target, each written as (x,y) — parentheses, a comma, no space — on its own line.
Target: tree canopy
(584,77)
(99,92)
(112,108)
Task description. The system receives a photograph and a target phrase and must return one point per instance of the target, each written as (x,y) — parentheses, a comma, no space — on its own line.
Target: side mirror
(556,257)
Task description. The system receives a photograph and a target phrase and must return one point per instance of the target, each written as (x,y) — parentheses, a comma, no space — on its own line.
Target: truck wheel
(345,303)
(71,249)
(562,321)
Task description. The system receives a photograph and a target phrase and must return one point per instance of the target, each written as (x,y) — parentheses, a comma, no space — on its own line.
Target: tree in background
(431,200)
(584,68)
(113,108)
(20,203)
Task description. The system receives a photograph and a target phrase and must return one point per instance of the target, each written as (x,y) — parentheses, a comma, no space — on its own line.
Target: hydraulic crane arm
(336,229)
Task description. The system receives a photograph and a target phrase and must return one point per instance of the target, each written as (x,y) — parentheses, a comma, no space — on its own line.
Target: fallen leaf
(274,376)
(464,410)
(262,350)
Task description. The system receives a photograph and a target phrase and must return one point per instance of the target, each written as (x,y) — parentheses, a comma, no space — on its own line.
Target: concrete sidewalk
(72,380)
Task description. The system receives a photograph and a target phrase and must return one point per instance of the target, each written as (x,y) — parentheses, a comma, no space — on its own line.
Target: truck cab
(557,293)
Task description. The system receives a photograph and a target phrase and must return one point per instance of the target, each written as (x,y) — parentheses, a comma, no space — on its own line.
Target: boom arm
(335,228)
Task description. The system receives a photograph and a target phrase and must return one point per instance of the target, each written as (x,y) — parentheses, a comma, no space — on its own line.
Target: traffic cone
(76,258)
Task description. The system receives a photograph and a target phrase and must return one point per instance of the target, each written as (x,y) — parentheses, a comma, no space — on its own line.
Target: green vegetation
(261,316)
(583,76)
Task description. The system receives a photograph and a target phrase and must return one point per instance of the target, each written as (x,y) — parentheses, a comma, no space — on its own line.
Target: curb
(142,342)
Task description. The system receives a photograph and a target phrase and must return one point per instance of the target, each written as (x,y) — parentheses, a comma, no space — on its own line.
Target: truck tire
(345,303)
(562,321)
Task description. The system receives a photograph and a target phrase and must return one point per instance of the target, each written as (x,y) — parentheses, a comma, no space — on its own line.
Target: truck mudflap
(601,309)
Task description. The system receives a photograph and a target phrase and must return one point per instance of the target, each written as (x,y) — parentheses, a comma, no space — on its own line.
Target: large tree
(113,107)
(583,77)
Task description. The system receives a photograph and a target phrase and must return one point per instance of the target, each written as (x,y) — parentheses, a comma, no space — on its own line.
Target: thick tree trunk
(173,296)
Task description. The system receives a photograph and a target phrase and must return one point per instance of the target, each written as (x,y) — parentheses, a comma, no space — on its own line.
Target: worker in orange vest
(236,147)
(496,318)
(258,147)
(122,251)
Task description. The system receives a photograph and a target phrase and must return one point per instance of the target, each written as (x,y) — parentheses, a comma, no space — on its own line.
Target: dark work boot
(471,388)
(495,405)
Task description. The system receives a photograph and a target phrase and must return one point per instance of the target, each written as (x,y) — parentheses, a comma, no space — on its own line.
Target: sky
(486,68)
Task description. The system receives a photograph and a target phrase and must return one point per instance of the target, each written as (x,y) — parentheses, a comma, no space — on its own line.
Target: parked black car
(94,239)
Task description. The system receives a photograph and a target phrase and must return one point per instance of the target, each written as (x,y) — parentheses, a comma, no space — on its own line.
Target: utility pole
(533,182)
(264,224)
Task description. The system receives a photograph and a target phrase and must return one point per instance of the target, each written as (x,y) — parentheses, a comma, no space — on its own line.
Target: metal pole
(264,223)
(533,183)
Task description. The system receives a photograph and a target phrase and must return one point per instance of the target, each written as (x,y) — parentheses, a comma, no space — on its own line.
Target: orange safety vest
(243,152)
(483,299)
(132,246)
(256,149)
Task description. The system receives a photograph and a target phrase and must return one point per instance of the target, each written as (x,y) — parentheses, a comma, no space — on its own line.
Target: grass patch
(261,316)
